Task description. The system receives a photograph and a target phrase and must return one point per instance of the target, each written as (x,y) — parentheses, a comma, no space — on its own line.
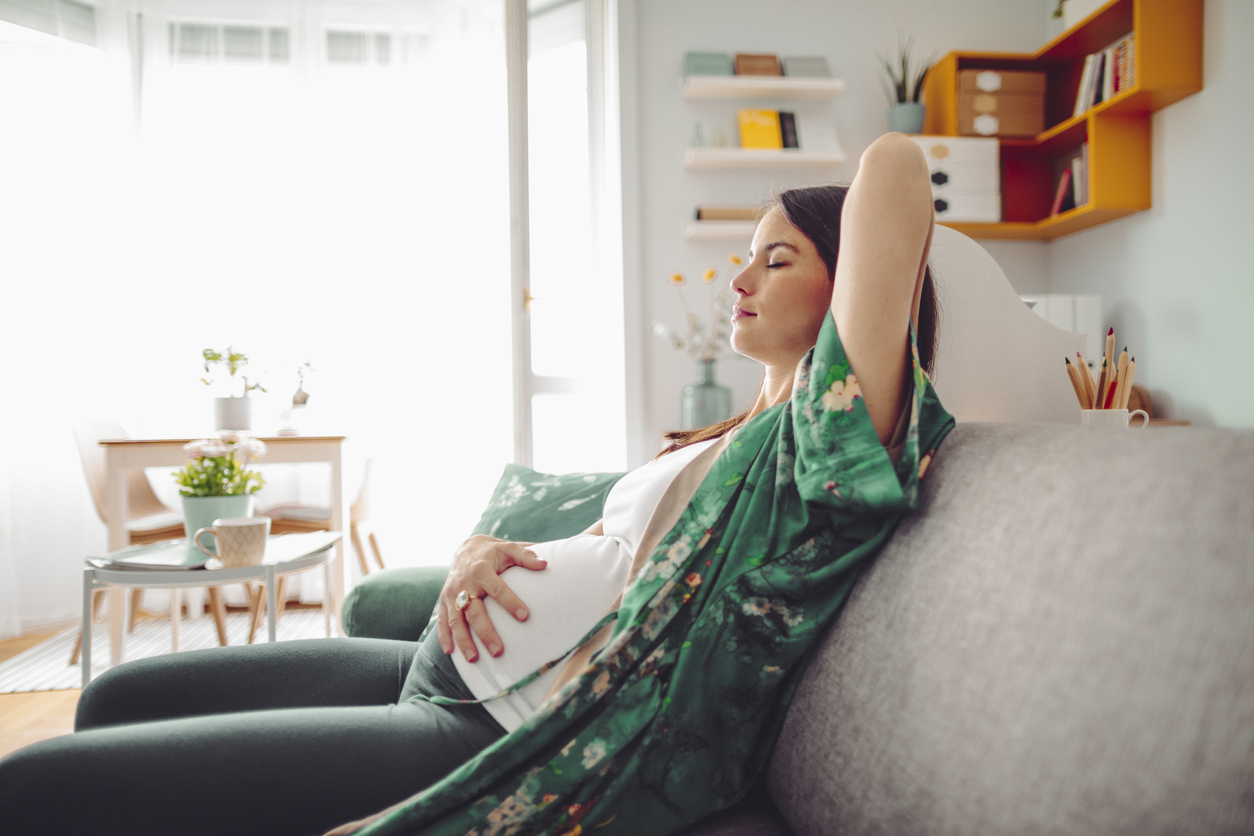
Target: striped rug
(46,666)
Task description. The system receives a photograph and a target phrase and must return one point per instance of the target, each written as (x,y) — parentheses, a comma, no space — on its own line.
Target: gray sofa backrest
(1061,640)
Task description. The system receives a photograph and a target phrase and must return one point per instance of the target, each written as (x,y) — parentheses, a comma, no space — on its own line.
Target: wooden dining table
(123,454)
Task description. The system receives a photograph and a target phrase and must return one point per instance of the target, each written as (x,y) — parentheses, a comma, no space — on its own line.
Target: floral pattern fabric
(675,718)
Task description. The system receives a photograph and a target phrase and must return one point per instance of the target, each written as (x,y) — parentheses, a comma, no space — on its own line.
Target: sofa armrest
(393,603)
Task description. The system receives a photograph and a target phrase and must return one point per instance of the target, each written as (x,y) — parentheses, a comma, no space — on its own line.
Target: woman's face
(782,294)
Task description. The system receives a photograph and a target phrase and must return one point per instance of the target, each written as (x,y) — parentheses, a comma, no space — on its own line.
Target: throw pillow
(534,507)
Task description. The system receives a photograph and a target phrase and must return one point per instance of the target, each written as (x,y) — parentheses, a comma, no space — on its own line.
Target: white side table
(95,578)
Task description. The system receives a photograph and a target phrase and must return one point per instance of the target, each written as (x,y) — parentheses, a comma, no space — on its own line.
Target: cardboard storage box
(966,177)
(1000,103)
(974,207)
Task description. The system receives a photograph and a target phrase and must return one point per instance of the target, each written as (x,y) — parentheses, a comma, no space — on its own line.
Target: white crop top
(584,575)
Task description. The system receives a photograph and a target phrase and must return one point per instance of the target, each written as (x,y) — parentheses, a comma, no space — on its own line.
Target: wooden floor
(38,715)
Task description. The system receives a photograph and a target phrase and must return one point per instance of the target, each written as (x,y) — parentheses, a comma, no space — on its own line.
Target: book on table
(181,555)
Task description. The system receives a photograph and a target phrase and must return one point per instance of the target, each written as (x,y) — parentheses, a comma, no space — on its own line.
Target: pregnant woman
(677,626)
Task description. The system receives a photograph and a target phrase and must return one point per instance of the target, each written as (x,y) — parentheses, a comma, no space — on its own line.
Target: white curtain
(353,216)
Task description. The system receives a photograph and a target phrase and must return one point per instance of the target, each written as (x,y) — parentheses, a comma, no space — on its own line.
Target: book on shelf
(788,129)
(1106,73)
(1080,175)
(1063,195)
(728,213)
(707,63)
(759,128)
(748,63)
(181,555)
(817,132)
(805,66)
(1086,81)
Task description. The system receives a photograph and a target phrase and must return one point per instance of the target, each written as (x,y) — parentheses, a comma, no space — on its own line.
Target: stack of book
(784,129)
(749,63)
(1071,177)
(707,212)
(1106,73)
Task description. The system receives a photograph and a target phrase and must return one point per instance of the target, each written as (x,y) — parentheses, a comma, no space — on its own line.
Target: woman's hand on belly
(476,570)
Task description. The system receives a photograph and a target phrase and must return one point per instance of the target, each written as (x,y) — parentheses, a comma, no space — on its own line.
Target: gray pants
(288,738)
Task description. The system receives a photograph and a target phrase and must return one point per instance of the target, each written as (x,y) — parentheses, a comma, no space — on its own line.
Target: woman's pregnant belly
(567,598)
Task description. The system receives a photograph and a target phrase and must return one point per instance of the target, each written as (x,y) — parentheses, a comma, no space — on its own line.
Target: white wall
(849,33)
(1177,281)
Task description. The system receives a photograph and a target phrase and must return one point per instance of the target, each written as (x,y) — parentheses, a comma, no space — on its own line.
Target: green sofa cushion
(535,507)
(527,506)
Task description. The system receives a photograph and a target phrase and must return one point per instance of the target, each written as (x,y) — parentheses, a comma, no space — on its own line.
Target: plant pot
(906,118)
(1074,11)
(704,402)
(233,414)
(200,511)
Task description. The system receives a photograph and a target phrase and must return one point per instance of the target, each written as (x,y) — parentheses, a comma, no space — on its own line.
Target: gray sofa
(1060,640)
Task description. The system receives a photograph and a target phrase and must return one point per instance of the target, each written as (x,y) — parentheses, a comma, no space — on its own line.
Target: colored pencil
(1109,402)
(1127,390)
(1101,387)
(1073,374)
(1090,385)
(1121,379)
(1110,350)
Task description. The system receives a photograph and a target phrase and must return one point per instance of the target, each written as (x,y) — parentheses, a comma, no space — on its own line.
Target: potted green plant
(234,412)
(1074,11)
(904,88)
(216,482)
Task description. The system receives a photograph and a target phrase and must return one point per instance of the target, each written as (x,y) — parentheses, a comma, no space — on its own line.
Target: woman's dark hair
(815,212)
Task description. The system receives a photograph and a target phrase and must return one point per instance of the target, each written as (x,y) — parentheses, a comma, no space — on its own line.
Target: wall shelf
(1168,67)
(698,159)
(698,88)
(719,230)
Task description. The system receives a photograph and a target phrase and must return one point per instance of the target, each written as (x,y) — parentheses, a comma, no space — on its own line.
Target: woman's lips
(739,312)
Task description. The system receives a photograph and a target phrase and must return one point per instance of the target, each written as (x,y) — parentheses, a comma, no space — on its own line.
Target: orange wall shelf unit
(1168,67)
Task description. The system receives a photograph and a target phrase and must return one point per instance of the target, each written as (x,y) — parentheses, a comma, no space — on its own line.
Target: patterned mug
(1112,418)
(241,541)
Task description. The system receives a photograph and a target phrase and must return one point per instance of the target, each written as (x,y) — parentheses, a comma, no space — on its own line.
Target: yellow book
(760,129)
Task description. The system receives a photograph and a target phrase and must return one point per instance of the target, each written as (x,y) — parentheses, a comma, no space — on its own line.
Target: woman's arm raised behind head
(885,234)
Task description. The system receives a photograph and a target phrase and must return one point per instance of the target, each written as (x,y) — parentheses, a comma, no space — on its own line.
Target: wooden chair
(287,519)
(148,519)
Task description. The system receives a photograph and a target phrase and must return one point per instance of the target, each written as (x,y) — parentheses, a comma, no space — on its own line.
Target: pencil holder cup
(1112,418)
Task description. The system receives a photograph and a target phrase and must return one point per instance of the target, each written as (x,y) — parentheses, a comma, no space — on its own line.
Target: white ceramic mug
(1112,417)
(241,541)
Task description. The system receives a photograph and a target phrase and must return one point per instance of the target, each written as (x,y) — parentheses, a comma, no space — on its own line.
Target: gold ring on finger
(462,601)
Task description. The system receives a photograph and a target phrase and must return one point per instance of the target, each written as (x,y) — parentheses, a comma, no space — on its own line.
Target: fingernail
(472,658)
(522,614)
(494,649)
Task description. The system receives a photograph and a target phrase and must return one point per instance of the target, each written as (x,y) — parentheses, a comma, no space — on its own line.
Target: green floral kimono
(676,716)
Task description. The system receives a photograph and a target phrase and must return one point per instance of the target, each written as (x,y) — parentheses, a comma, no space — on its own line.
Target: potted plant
(215,483)
(704,402)
(1074,11)
(904,89)
(234,412)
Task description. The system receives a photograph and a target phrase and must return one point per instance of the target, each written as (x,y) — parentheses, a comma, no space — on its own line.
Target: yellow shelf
(1168,67)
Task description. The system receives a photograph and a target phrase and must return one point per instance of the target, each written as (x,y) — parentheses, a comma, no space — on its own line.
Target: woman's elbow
(894,167)
(895,157)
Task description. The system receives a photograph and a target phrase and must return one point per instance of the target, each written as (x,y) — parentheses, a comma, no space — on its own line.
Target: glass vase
(704,402)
